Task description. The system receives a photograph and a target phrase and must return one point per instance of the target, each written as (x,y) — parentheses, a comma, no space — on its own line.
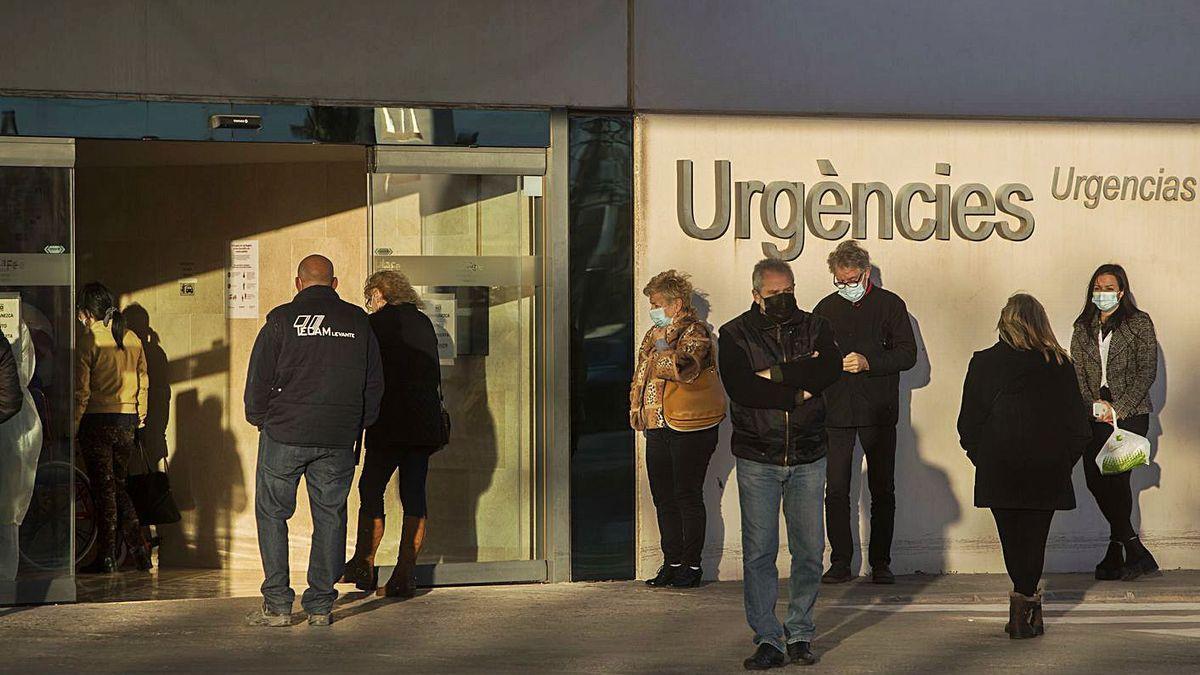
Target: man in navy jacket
(315,382)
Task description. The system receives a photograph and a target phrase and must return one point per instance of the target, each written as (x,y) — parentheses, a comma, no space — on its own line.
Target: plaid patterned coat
(1132,363)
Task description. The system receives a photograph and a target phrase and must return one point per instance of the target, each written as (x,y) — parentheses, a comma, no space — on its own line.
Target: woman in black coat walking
(409,430)
(1024,425)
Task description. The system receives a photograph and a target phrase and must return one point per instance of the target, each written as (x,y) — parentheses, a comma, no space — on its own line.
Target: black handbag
(151,494)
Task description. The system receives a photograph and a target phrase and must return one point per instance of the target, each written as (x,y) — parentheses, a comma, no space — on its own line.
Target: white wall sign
(441,308)
(10,316)
(243,279)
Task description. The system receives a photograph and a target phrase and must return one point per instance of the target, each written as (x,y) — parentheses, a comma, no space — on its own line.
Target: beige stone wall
(954,291)
(142,229)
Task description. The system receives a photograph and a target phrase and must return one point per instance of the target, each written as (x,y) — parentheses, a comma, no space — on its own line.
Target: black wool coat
(411,412)
(1023,424)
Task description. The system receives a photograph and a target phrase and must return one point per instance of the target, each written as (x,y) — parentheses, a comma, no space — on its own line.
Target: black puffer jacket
(315,377)
(10,382)
(769,426)
(411,412)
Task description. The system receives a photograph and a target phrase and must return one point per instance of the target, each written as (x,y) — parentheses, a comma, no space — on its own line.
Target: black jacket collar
(317,292)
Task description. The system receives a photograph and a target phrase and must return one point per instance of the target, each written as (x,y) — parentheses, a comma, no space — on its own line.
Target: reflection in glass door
(38,477)
(466,235)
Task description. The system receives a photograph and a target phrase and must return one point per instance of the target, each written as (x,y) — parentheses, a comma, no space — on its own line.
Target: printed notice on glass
(441,308)
(243,279)
(10,316)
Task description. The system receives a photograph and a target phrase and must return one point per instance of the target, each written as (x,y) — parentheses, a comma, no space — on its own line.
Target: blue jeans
(801,490)
(328,473)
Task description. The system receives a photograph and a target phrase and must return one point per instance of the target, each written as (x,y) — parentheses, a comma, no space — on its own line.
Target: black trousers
(879,446)
(677,463)
(1113,494)
(1023,535)
(413,465)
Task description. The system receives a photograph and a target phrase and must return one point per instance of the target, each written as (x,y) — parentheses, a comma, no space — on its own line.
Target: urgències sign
(968,210)
(829,210)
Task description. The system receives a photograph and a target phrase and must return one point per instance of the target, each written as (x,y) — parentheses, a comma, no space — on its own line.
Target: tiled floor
(171,584)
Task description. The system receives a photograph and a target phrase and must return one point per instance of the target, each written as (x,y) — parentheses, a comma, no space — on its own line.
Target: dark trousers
(1023,535)
(879,446)
(106,442)
(1113,494)
(413,465)
(328,473)
(677,462)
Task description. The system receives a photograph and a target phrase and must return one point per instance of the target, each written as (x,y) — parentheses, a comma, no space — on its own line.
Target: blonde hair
(1024,326)
(394,287)
(673,286)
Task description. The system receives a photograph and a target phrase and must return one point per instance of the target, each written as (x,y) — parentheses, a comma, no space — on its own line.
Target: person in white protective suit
(20,446)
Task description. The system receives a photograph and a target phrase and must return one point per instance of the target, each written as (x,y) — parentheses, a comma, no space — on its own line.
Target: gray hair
(770,266)
(849,255)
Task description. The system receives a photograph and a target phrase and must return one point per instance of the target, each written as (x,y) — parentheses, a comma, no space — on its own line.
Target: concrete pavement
(923,624)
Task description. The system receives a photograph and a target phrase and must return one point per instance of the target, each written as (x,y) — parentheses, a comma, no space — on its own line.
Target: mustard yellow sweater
(107,379)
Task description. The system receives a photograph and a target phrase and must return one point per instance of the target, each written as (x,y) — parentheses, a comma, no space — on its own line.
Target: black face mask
(780,307)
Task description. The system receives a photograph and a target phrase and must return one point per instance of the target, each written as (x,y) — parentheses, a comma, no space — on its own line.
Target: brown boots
(1024,616)
(402,584)
(360,569)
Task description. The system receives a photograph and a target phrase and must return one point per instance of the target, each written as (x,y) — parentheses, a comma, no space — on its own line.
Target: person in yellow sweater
(111,386)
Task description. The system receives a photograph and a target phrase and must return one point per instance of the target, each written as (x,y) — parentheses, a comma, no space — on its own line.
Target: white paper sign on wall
(10,316)
(243,279)
(441,308)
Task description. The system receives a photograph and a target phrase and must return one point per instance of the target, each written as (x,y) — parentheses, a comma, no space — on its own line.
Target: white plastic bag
(1123,451)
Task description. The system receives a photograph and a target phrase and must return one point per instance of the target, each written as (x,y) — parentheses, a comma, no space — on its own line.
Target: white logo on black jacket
(307,325)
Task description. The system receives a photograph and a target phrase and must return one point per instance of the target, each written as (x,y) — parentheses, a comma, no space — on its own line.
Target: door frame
(551,434)
(38,152)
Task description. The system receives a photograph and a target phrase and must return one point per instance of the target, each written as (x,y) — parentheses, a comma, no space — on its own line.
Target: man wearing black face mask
(775,360)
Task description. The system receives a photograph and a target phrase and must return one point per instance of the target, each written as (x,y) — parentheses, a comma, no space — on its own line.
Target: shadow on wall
(1147,477)
(208,482)
(154,437)
(720,468)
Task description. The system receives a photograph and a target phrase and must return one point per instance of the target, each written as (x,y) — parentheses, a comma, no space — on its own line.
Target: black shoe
(802,653)
(1109,569)
(666,575)
(837,574)
(1145,566)
(765,658)
(687,577)
(882,575)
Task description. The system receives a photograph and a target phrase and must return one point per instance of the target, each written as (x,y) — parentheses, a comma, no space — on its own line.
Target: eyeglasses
(852,284)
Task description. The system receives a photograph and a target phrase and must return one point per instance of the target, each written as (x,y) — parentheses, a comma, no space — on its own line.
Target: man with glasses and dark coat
(873,331)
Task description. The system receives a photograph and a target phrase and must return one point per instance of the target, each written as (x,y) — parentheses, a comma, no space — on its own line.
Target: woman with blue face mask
(1115,351)
(676,399)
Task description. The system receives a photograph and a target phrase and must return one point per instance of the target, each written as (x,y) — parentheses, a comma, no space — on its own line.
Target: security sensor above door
(235,121)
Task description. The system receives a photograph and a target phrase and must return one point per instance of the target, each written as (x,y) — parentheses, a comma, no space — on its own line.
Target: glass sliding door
(40,484)
(465,226)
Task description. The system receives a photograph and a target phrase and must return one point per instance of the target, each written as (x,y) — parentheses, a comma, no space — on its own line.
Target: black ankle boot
(1138,562)
(666,575)
(687,577)
(1109,569)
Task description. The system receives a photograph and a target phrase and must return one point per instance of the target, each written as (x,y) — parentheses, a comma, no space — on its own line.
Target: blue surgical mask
(853,293)
(659,316)
(1106,301)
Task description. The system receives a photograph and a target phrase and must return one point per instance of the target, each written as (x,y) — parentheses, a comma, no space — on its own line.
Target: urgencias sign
(969,211)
